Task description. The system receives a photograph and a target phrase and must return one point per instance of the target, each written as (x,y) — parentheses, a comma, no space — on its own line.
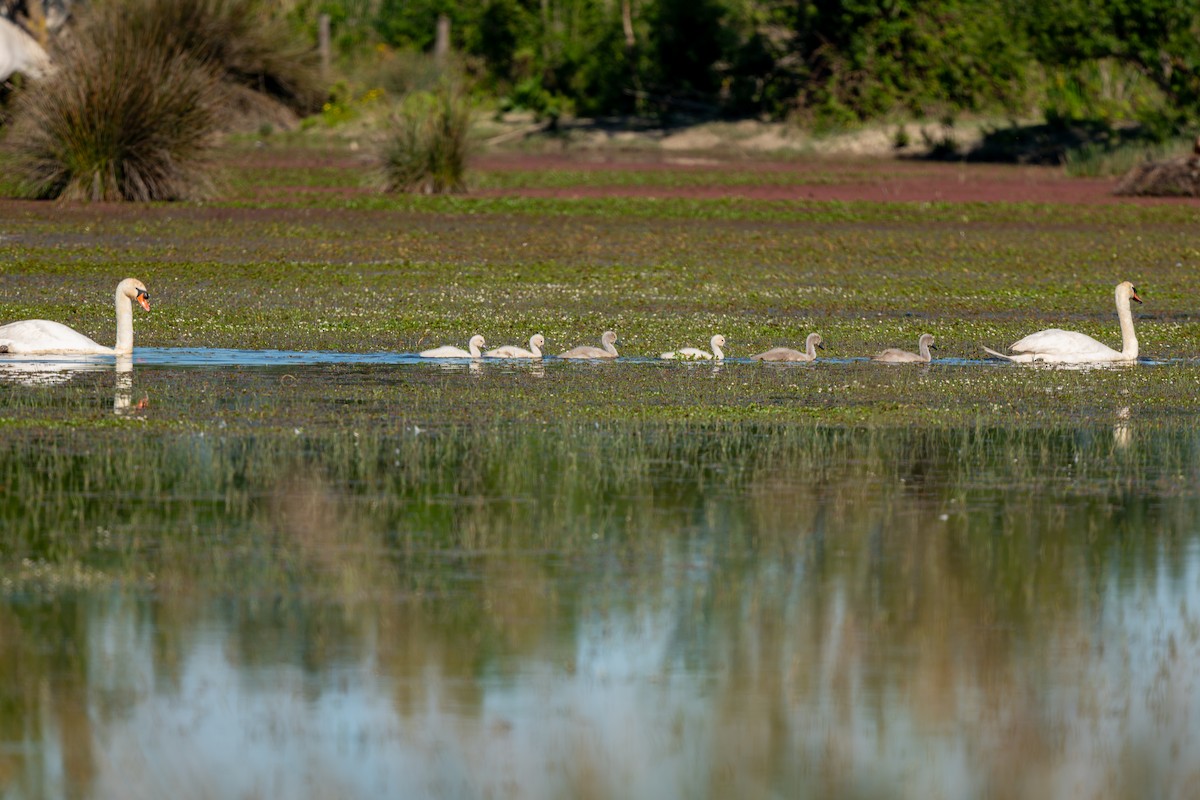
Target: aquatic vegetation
(362,280)
(720,576)
(499,558)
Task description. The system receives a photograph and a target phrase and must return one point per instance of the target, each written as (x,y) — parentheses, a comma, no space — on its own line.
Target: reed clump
(426,147)
(125,116)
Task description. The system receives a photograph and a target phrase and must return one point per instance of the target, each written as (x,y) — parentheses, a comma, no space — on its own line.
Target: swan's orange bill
(1133,296)
(145,301)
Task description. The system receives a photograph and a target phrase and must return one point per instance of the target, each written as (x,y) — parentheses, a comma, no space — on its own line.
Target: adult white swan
(450,351)
(608,340)
(1056,346)
(788,354)
(894,355)
(536,343)
(692,353)
(43,337)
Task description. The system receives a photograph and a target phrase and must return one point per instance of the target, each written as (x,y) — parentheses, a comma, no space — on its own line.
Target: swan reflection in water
(1122,434)
(123,392)
(55,371)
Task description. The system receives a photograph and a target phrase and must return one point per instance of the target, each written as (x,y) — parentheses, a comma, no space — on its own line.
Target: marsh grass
(501,554)
(124,117)
(427,142)
(946,548)
(401,273)
(268,510)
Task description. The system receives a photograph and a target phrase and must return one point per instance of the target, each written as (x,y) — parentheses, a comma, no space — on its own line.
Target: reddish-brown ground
(846,179)
(819,179)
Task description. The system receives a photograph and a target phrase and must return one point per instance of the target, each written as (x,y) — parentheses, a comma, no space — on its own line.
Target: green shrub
(426,148)
(124,117)
(530,95)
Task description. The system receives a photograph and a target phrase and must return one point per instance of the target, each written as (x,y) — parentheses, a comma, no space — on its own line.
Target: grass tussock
(125,116)
(426,147)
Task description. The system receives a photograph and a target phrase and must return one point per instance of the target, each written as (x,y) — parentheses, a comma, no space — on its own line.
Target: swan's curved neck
(1129,342)
(810,349)
(608,346)
(533,348)
(124,308)
(718,354)
(924,351)
(474,349)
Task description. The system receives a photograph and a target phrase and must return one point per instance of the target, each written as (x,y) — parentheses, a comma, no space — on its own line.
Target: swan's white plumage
(449,351)
(536,343)
(1056,346)
(693,353)
(894,355)
(788,354)
(44,337)
(608,340)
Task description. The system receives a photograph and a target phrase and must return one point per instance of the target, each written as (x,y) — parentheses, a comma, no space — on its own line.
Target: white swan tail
(1002,356)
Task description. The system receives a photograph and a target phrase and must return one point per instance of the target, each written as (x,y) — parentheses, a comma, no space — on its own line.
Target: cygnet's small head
(926,340)
(814,339)
(609,337)
(477,341)
(135,290)
(538,341)
(718,341)
(1127,289)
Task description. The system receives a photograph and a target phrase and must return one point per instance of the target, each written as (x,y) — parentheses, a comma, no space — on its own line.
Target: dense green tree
(867,58)
(413,23)
(836,61)
(1160,38)
(687,44)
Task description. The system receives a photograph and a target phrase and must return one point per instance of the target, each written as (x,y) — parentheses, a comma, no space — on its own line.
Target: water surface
(299,568)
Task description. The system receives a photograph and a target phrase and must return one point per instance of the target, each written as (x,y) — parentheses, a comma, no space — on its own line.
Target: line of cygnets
(1052,345)
(608,349)
(43,337)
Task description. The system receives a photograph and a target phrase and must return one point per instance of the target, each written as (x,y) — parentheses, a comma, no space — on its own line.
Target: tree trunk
(441,43)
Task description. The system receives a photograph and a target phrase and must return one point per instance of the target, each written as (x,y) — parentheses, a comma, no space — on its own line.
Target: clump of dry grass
(427,145)
(125,116)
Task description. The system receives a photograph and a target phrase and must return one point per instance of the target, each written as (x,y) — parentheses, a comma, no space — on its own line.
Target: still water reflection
(601,611)
(46,371)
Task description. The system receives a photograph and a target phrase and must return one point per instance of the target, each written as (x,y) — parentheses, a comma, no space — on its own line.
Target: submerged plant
(124,117)
(426,147)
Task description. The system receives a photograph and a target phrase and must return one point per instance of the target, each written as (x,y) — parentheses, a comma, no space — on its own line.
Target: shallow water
(216,356)
(295,567)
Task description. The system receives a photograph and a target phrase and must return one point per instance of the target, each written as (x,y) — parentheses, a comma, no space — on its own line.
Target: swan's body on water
(894,355)
(608,340)
(1055,346)
(449,351)
(44,337)
(692,353)
(536,343)
(788,354)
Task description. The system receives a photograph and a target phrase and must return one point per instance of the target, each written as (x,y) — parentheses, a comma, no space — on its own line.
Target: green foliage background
(829,62)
